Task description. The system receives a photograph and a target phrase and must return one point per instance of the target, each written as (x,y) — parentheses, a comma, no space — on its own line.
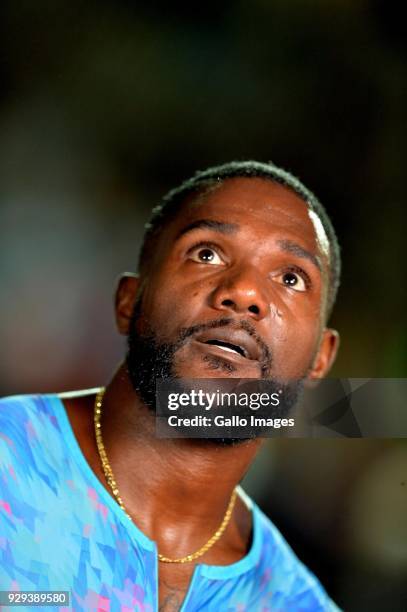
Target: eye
(205,254)
(297,280)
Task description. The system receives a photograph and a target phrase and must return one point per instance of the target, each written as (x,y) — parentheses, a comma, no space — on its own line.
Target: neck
(171,482)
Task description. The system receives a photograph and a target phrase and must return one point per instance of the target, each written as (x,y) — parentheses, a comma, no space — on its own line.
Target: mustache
(266,357)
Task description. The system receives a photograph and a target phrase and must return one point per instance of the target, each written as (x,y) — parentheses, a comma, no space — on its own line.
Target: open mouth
(236,343)
(228,346)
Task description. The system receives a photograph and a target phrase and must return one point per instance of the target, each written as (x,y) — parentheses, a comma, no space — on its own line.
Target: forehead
(260,205)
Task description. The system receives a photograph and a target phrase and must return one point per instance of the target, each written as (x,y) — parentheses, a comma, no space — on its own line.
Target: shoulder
(16,409)
(293,585)
(23,419)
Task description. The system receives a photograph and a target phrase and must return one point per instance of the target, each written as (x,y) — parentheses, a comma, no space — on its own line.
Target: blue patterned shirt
(61,530)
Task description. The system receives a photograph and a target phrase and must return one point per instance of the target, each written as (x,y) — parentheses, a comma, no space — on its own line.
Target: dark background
(105,106)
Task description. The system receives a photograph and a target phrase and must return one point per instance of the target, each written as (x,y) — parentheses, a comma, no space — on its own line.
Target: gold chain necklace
(108,472)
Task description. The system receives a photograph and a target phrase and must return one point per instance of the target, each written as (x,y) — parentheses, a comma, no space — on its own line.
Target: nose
(241,292)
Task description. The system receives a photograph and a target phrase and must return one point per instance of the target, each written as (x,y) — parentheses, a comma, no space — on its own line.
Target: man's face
(237,285)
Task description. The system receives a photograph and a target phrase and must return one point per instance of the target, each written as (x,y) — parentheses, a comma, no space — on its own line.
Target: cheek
(295,341)
(170,306)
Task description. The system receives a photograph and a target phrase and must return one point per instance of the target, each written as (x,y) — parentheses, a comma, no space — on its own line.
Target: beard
(148,360)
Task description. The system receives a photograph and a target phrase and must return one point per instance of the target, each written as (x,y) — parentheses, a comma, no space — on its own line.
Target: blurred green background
(105,106)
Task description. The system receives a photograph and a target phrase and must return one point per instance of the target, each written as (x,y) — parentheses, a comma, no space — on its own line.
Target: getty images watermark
(223,408)
(250,408)
(218,401)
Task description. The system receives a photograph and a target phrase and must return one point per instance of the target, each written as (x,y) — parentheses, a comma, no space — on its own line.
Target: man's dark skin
(177,491)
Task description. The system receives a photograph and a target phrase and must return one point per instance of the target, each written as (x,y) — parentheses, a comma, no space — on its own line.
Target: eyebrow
(230,228)
(292,247)
(216,226)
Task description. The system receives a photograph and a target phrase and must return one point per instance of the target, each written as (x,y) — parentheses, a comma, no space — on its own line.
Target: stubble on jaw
(148,360)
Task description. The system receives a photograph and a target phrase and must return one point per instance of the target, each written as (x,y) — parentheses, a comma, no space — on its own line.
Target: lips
(232,341)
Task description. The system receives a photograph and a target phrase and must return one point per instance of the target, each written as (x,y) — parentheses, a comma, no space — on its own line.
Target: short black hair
(205,179)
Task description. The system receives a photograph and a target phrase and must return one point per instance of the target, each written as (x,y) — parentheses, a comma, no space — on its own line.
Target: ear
(125,298)
(326,355)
